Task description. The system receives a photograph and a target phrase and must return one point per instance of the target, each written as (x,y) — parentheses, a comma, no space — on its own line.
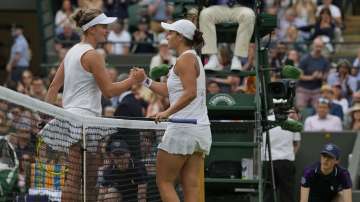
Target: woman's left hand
(161,115)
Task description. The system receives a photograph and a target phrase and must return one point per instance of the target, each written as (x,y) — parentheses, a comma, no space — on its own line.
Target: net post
(84,162)
(201,183)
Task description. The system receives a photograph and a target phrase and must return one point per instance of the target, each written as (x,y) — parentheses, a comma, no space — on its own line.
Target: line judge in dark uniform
(326,181)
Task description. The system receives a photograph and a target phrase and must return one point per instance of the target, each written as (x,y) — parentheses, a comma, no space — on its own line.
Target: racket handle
(175,120)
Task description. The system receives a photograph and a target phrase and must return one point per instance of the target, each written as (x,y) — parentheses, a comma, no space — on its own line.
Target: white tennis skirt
(186,140)
(60,135)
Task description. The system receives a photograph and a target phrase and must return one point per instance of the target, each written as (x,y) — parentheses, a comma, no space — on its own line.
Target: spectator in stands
(322,120)
(143,40)
(119,9)
(342,76)
(355,71)
(306,11)
(326,180)
(192,14)
(212,87)
(50,76)
(284,146)
(59,100)
(315,68)
(356,97)
(324,26)
(113,74)
(129,105)
(156,105)
(289,19)
(293,58)
(148,144)
(125,177)
(230,84)
(38,89)
(24,85)
(67,38)
(221,12)
(249,86)
(277,4)
(356,62)
(335,109)
(109,111)
(23,135)
(164,55)
(158,11)
(279,56)
(63,17)
(294,41)
(335,11)
(14,116)
(119,39)
(4,123)
(354,113)
(19,56)
(148,150)
(4,106)
(92,4)
(339,98)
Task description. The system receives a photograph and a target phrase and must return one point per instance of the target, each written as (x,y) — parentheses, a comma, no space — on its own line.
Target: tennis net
(69,157)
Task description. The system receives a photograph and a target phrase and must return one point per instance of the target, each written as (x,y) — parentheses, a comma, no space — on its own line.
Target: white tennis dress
(188,138)
(81,96)
(81,92)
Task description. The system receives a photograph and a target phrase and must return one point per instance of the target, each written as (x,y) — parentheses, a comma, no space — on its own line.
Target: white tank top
(197,108)
(80,88)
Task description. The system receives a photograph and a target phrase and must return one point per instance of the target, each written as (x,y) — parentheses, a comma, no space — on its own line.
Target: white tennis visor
(101,19)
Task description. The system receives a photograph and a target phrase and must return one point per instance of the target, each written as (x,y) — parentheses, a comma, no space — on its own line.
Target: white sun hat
(101,19)
(184,27)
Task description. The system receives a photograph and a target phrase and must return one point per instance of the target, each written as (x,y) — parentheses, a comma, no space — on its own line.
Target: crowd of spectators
(327,94)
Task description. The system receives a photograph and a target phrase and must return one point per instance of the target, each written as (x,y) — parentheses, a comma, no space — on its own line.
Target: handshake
(139,75)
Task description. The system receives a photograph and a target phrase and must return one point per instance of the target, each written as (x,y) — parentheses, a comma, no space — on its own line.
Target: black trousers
(284,172)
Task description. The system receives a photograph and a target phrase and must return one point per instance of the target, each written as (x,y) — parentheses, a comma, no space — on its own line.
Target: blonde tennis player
(183,146)
(84,77)
(83,73)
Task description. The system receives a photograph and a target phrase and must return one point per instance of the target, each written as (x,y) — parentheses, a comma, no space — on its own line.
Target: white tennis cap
(101,19)
(184,27)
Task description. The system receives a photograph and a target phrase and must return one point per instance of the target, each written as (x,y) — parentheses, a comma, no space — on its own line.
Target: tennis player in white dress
(183,146)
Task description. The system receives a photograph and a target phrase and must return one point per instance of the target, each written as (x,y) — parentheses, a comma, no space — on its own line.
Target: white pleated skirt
(186,140)
(60,135)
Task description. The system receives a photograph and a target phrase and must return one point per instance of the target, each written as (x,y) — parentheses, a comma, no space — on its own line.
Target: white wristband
(147,82)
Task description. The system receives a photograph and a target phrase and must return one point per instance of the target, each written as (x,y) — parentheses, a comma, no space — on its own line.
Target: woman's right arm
(95,64)
(56,84)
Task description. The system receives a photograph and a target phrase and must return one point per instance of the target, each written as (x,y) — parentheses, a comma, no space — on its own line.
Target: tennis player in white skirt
(84,77)
(183,146)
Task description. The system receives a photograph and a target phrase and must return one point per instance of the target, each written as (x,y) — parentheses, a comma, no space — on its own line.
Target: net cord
(59,113)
